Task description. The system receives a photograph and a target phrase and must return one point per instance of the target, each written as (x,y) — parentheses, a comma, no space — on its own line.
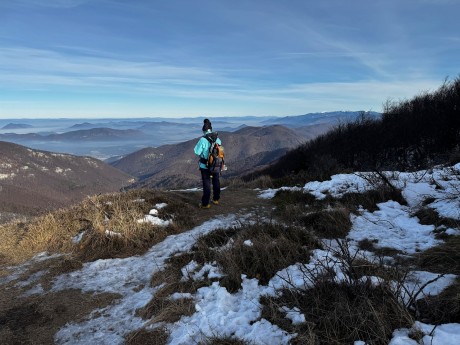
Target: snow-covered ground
(220,313)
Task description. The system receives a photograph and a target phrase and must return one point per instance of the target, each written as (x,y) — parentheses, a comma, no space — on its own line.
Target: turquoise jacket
(202,148)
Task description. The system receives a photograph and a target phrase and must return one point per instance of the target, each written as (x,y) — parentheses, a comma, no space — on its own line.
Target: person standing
(202,151)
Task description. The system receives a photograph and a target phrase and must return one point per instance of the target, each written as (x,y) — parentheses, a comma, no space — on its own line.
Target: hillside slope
(347,261)
(32,181)
(410,135)
(176,165)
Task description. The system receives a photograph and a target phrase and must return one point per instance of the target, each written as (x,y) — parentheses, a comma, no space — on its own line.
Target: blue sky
(179,58)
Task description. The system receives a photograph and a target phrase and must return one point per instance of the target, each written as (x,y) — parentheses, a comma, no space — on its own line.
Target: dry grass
(158,336)
(20,241)
(327,218)
(165,309)
(340,313)
(109,224)
(263,182)
(342,310)
(223,341)
(442,308)
(329,224)
(291,205)
(272,247)
(428,216)
(369,200)
(444,258)
(36,319)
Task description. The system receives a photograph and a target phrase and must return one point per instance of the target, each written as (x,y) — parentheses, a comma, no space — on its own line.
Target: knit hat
(207,125)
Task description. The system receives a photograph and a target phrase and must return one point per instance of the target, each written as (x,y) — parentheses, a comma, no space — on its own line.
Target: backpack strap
(209,137)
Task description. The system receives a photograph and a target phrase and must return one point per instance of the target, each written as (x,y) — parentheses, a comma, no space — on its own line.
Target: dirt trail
(242,201)
(35,319)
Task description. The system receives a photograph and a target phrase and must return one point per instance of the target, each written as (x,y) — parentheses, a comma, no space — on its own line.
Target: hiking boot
(204,206)
(215,202)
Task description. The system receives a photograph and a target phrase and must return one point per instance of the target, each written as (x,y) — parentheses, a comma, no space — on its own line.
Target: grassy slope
(35,319)
(38,317)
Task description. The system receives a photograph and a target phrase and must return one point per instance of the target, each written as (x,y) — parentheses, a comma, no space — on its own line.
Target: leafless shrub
(340,313)
(341,309)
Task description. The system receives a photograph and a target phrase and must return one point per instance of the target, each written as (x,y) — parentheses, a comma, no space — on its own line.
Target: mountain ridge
(175,165)
(33,181)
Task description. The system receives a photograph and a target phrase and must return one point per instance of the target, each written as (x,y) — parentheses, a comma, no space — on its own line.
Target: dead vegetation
(336,311)
(103,226)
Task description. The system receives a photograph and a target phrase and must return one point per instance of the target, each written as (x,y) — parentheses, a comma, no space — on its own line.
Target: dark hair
(207,125)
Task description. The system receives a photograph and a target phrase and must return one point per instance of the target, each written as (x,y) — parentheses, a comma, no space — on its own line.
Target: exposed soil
(242,201)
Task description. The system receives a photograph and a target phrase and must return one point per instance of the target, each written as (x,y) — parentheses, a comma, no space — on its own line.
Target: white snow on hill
(218,312)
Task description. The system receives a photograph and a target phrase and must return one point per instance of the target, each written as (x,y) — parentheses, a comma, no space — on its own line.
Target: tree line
(410,135)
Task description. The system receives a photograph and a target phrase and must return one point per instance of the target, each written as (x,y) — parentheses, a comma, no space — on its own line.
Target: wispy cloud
(24,65)
(32,69)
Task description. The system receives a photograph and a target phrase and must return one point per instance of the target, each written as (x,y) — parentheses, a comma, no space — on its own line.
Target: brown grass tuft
(369,200)
(158,336)
(330,224)
(442,308)
(165,309)
(223,341)
(444,258)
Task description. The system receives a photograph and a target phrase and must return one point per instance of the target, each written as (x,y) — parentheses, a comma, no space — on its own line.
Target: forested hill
(411,134)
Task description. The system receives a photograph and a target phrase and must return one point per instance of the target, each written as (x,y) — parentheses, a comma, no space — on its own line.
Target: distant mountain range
(93,134)
(32,181)
(109,138)
(17,126)
(174,166)
(330,118)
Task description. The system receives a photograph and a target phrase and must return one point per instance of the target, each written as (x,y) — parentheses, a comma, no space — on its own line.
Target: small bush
(367,244)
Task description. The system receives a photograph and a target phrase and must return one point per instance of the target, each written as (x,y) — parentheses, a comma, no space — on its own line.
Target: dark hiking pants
(207,178)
